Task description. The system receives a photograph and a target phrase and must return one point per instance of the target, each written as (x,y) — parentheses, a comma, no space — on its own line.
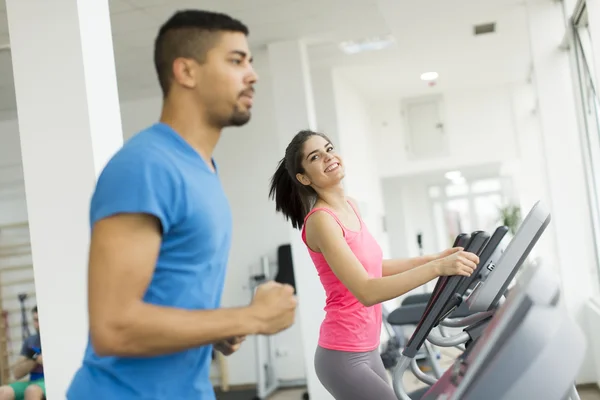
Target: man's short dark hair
(34,310)
(190,34)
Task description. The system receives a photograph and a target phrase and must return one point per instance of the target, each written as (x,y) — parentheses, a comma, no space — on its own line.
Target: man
(161,230)
(30,363)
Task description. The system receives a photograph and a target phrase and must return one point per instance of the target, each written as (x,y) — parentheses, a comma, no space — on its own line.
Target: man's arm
(123,253)
(24,366)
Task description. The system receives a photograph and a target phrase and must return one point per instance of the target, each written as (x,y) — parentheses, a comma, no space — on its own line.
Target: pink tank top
(348,324)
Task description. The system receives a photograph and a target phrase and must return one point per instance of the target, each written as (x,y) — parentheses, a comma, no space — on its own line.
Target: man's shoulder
(144,143)
(33,340)
(146,149)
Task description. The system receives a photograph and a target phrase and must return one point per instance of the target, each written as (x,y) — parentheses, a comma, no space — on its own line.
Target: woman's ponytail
(289,199)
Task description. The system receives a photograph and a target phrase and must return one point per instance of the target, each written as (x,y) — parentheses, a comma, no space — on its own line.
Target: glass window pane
(434,192)
(486,185)
(487,211)
(458,218)
(442,236)
(457,189)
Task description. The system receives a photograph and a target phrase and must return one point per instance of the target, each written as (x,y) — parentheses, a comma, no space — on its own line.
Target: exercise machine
(409,314)
(396,341)
(267,380)
(532,349)
(489,286)
(412,309)
(444,290)
(25,332)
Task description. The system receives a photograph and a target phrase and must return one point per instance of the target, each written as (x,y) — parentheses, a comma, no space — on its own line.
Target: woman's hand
(446,252)
(458,262)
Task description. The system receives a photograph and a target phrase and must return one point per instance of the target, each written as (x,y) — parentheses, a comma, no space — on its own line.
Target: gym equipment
(445,288)
(494,280)
(409,313)
(267,380)
(397,341)
(446,296)
(532,349)
(25,333)
(487,293)
(461,241)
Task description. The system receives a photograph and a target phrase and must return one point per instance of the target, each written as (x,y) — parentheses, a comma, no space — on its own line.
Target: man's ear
(183,73)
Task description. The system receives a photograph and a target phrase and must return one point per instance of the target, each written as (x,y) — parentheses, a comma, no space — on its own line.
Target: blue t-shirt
(33,343)
(158,173)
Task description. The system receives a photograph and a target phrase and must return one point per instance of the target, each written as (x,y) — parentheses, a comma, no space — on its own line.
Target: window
(467,206)
(589,108)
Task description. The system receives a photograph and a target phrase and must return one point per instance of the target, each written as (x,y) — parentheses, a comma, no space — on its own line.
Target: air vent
(482,29)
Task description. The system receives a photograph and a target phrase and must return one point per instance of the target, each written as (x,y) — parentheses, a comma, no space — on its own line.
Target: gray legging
(353,376)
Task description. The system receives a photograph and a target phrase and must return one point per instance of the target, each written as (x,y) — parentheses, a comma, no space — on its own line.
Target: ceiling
(436,35)
(430,35)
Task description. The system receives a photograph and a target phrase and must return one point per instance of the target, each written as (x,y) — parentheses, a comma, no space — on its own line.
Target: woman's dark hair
(293,199)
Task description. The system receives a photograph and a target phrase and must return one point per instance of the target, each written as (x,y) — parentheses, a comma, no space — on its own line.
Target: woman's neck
(334,198)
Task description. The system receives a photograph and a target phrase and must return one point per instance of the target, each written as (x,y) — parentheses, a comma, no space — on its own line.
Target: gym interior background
(449,114)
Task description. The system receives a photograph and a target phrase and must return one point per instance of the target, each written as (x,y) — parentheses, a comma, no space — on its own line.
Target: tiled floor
(296,394)
(589,394)
(412,383)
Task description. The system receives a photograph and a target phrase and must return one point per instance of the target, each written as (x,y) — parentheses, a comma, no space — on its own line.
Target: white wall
(12,191)
(358,149)
(482,129)
(478,125)
(409,212)
(14,231)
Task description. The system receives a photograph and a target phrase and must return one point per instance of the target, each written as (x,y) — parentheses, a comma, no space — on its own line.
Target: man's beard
(238,117)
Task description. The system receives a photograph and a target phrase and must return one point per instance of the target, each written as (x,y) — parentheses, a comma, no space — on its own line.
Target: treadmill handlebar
(451,341)
(486,251)
(466,321)
(440,297)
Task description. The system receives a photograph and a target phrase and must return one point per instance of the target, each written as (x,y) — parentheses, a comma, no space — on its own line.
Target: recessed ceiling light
(367,44)
(429,76)
(453,175)
(459,181)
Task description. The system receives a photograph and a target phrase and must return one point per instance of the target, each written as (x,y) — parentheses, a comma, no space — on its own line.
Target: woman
(307,188)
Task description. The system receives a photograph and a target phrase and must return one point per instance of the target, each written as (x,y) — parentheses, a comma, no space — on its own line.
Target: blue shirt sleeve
(137,181)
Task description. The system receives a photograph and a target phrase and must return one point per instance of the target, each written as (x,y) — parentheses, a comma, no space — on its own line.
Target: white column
(294,111)
(593,11)
(563,160)
(325,104)
(70,125)
(529,172)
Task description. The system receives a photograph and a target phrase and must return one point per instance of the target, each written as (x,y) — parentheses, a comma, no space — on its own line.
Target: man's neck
(193,127)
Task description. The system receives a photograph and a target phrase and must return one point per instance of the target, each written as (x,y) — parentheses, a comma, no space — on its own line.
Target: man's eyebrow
(242,53)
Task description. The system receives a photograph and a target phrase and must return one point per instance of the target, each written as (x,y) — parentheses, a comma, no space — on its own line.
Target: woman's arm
(400,265)
(325,235)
